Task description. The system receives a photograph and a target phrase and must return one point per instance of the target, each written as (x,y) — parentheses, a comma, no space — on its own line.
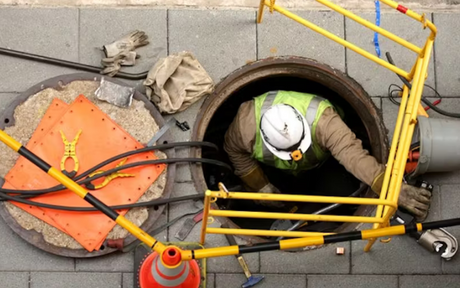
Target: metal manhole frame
(35,238)
(265,67)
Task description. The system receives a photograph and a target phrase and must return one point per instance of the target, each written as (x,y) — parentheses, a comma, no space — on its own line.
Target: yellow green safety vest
(312,107)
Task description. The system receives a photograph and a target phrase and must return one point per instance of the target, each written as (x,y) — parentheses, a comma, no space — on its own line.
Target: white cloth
(176,82)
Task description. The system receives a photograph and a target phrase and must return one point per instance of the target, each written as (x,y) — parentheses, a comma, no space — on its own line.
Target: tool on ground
(118,95)
(109,177)
(252,280)
(68,64)
(434,240)
(188,226)
(435,103)
(70,152)
(162,131)
(183,125)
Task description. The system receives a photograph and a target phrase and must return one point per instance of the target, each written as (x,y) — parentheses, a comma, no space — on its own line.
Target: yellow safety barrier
(409,109)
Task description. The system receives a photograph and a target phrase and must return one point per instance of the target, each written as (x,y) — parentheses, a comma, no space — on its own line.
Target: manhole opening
(330,179)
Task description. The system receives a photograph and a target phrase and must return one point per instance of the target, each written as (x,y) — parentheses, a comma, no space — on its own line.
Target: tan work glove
(415,200)
(113,64)
(270,188)
(125,44)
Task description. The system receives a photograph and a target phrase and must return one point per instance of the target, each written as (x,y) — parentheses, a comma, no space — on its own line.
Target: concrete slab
(210,280)
(279,35)
(431,281)
(5,100)
(115,262)
(318,261)
(128,281)
(214,265)
(435,208)
(451,105)
(16,255)
(374,78)
(231,34)
(74,280)
(14,279)
(352,281)
(103,26)
(450,201)
(390,114)
(401,256)
(448,81)
(270,281)
(56,37)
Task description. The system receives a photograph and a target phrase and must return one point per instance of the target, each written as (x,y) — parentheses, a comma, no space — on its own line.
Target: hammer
(252,280)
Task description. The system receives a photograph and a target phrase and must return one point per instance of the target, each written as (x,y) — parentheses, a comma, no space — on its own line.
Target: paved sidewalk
(224,40)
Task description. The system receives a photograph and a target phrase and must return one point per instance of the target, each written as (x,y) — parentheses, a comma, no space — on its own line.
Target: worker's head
(285,132)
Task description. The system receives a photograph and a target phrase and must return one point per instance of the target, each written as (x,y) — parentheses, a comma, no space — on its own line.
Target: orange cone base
(147,280)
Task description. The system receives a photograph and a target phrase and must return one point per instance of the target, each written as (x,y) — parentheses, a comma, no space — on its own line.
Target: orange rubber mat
(101,138)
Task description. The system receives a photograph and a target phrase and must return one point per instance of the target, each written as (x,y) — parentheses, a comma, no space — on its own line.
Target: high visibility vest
(312,107)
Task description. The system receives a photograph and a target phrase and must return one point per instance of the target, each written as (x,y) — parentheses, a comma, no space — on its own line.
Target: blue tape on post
(377,22)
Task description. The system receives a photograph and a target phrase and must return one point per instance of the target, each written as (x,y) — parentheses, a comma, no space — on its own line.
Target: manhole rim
(35,238)
(282,65)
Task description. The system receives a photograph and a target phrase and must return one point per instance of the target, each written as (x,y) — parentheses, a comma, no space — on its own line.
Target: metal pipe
(68,64)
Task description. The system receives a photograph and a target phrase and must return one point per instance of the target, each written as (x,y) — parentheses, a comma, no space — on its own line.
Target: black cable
(155,202)
(136,164)
(424,100)
(108,161)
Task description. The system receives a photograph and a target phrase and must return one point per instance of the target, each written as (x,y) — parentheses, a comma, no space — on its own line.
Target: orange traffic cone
(169,271)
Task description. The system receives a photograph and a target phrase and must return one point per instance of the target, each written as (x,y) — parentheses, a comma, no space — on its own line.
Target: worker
(295,132)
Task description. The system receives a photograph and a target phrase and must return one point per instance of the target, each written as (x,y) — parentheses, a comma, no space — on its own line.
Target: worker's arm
(239,143)
(334,135)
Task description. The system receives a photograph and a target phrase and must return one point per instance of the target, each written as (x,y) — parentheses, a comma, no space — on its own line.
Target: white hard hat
(285,132)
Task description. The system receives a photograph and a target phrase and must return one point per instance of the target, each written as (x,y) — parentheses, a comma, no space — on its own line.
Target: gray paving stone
(55,36)
(377,101)
(275,40)
(16,255)
(222,41)
(115,262)
(401,256)
(390,114)
(5,100)
(210,280)
(318,261)
(128,281)
(270,281)
(448,80)
(450,201)
(352,281)
(14,279)
(435,207)
(432,281)
(448,104)
(374,78)
(74,280)
(214,265)
(103,26)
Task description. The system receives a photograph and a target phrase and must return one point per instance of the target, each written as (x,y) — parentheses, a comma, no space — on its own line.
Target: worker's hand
(415,200)
(127,43)
(270,188)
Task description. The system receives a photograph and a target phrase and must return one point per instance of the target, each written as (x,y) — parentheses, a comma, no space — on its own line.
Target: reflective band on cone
(153,274)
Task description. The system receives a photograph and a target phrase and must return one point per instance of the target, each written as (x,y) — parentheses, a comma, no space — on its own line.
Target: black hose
(68,64)
(131,165)
(108,161)
(424,100)
(155,202)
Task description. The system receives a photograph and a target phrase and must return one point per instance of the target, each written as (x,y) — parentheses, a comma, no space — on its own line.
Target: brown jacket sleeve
(239,142)
(334,135)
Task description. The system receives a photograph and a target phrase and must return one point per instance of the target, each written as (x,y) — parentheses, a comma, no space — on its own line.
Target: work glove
(269,188)
(415,200)
(127,43)
(113,64)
